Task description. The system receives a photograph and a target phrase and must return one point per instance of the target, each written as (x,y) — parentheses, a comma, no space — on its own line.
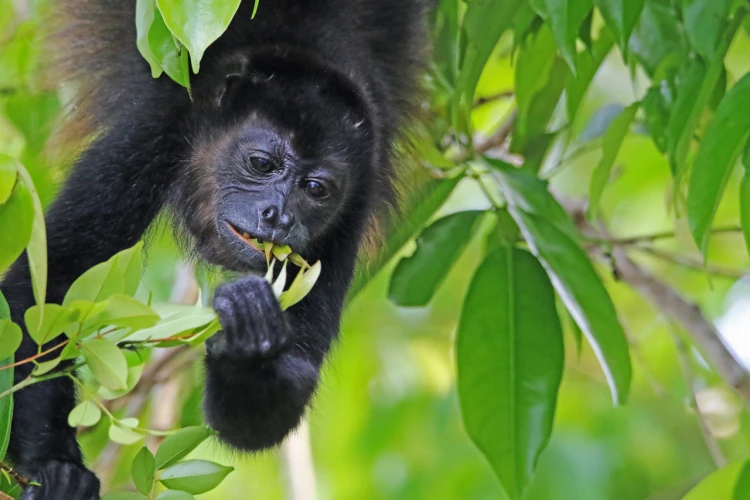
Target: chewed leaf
(281,252)
(301,286)
(298,261)
(278,285)
(269,273)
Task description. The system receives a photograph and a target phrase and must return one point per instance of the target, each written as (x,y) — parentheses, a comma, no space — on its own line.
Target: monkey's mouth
(254,243)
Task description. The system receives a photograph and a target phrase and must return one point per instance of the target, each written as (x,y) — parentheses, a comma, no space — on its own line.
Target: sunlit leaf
(107,363)
(417,277)
(197,23)
(144,20)
(48,322)
(721,146)
(301,286)
(177,446)
(123,434)
(10,338)
(45,367)
(36,249)
(573,276)
(509,350)
(278,285)
(194,476)
(176,325)
(115,276)
(718,485)
(84,414)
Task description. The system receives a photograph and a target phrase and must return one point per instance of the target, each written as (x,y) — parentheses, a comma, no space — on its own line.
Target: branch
(22,481)
(668,301)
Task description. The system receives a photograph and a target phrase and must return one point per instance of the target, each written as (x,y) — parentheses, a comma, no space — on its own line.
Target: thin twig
(691,263)
(21,480)
(665,235)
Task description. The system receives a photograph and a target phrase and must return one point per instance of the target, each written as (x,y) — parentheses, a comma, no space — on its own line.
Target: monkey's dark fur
(289,138)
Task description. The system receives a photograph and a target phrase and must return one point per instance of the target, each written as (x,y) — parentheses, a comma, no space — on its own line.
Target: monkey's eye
(316,189)
(261,164)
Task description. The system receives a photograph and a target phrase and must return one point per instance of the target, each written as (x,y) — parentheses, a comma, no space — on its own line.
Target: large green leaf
(142,470)
(416,278)
(719,150)
(197,23)
(36,249)
(621,17)
(509,350)
(16,220)
(107,363)
(572,275)
(48,322)
(6,382)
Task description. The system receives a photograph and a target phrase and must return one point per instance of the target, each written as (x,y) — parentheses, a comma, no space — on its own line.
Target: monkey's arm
(263,368)
(114,192)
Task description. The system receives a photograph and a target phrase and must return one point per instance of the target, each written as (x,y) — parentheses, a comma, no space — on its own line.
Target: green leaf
(420,208)
(718,485)
(107,363)
(48,322)
(36,249)
(6,382)
(301,286)
(722,144)
(121,311)
(611,143)
(565,18)
(177,324)
(175,495)
(480,39)
(657,38)
(124,434)
(167,51)
(572,275)
(194,476)
(621,17)
(416,278)
(116,276)
(510,356)
(144,20)
(16,219)
(84,414)
(143,470)
(8,175)
(45,367)
(10,338)
(705,22)
(197,23)
(742,484)
(124,495)
(588,64)
(178,445)
(697,86)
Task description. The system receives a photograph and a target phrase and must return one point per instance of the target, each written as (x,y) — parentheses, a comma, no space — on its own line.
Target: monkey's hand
(253,325)
(60,480)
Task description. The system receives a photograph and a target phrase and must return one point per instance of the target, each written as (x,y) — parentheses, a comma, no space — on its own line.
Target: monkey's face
(271,188)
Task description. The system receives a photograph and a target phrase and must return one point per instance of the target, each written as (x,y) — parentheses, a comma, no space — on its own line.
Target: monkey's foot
(60,480)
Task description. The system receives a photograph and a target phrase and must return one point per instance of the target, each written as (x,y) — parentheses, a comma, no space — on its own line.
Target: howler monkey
(289,137)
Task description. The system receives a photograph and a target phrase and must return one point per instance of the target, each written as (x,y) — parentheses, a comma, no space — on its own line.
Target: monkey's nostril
(270,213)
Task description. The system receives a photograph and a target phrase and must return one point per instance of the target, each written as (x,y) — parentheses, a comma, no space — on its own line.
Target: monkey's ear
(229,91)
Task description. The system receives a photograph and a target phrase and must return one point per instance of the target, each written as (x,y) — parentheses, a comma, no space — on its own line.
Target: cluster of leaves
(509,346)
(174,34)
(304,280)
(183,478)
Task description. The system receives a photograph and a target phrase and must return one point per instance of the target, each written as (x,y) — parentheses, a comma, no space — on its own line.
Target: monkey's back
(379,42)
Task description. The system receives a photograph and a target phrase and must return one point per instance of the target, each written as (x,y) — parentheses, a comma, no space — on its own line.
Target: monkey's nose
(274,218)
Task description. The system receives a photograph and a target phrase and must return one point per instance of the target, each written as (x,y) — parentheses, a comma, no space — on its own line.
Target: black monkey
(289,138)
